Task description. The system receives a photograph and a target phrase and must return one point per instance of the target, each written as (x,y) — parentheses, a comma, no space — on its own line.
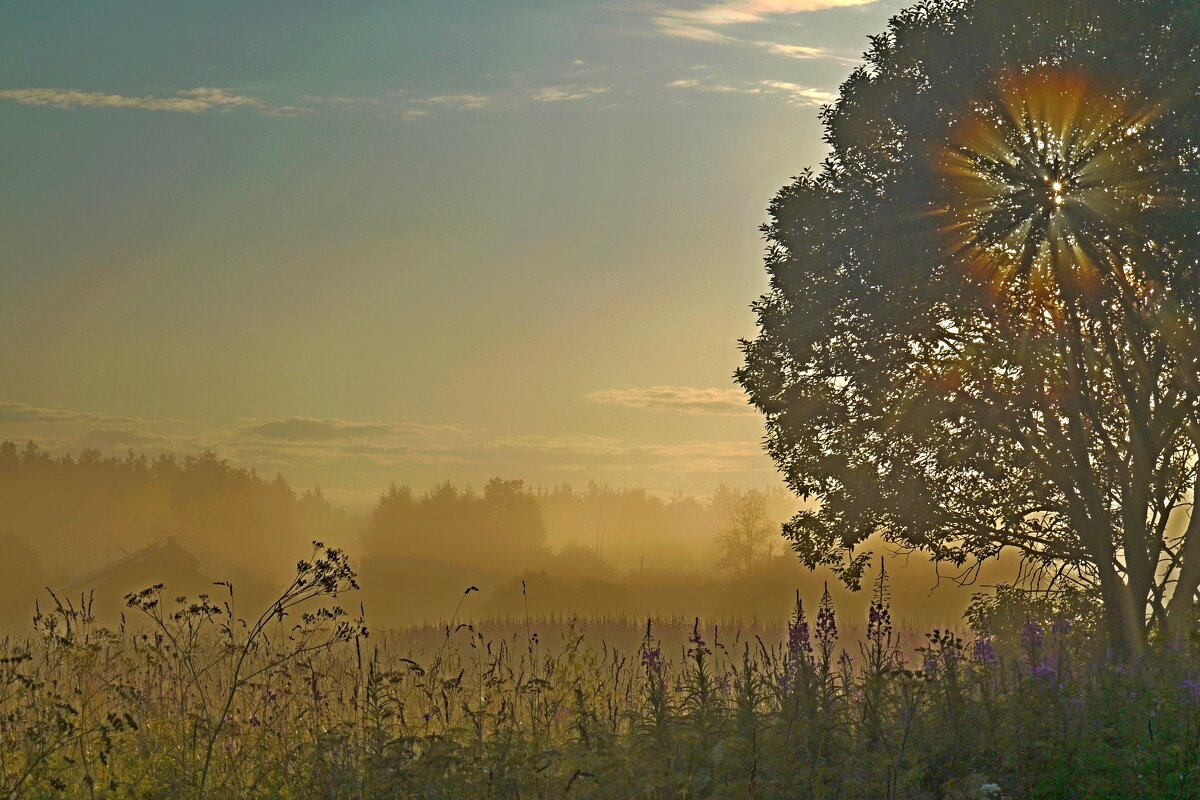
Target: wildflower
(879,622)
(1060,627)
(255,722)
(799,645)
(1043,671)
(826,629)
(984,652)
(1190,689)
(879,617)
(1032,635)
(696,643)
(652,655)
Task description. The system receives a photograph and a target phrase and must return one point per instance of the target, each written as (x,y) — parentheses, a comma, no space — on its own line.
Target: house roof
(169,555)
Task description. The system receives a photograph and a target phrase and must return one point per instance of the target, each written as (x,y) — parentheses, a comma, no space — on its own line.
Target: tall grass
(188,701)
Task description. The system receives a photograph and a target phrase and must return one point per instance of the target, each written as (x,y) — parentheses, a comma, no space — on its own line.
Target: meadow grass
(186,700)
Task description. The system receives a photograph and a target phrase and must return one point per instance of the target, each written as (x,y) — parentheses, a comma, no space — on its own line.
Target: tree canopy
(981,331)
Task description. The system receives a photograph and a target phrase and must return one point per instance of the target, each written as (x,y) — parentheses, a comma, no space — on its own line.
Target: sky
(373,242)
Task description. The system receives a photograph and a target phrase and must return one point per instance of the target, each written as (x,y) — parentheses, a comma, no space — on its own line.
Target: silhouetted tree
(981,331)
(749,535)
(451,525)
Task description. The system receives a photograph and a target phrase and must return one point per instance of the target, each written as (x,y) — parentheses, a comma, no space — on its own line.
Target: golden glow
(1041,181)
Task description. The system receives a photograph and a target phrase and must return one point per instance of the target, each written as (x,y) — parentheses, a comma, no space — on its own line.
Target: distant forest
(591,550)
(62,516)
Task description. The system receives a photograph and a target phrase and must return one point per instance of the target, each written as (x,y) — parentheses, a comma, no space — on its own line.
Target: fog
(95,526)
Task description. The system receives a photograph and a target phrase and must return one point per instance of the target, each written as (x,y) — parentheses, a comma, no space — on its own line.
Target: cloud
(189,101)
(687,399)
(735,12)
(459,101)
(701,24)
(364,455)
(312,429)
(555,94)
(20,412)
(578,444)
(801,95)
(791,92)
(682,28)
(794,50)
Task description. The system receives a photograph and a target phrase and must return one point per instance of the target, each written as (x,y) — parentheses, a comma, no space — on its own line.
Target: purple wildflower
(1190,689)
(696,643)
(826,628)
(1032,635)
(879,617)
(799,645)
(985,652)
(1043,671)
(652,657)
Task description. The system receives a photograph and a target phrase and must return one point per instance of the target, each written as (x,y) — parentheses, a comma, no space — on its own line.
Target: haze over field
(117,525)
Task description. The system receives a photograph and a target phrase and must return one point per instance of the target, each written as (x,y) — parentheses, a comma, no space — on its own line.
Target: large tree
(981,331)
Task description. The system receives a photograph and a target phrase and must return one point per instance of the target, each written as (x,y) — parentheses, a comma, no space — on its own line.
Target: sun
(1043,182)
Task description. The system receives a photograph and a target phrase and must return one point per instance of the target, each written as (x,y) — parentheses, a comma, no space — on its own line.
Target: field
(187,701)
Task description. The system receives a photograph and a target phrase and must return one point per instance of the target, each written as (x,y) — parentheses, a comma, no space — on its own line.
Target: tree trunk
(1182,602)
(1125,620)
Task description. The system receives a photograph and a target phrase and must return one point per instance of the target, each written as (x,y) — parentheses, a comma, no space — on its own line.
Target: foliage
(749,536)
(981,331)
(198,704)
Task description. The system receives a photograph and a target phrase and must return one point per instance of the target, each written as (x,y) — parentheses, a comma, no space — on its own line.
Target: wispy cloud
(795,50)
(791,92)
(319,429)
(20,412)
(687,399)
(735,12)
(801,95)
(363,456)
(458,101)
(709,23)
(187,101)
(555,94)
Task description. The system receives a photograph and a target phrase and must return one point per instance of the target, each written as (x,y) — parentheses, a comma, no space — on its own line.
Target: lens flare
(1044,183)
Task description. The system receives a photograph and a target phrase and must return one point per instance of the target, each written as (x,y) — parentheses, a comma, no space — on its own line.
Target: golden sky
(407,242)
